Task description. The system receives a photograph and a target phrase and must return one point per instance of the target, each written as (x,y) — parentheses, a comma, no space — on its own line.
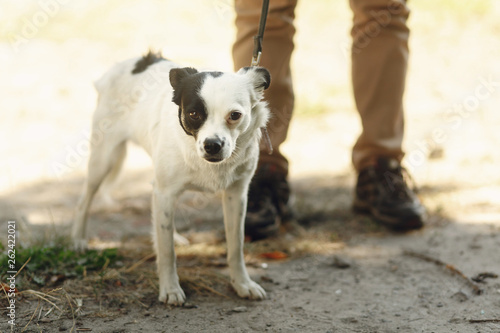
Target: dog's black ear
(176,76)
(260,77)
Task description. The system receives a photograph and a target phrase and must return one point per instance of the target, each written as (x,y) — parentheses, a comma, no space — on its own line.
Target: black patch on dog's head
(178,78)
(187,83)
(147,60)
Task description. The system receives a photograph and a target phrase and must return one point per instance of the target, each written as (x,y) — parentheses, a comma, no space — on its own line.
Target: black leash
(257,52)
(257,40)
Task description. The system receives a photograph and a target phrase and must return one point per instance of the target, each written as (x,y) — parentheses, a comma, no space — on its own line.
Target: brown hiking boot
(382,191)
(268,202)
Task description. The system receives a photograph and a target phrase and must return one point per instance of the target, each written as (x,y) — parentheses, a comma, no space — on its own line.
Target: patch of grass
(55,262)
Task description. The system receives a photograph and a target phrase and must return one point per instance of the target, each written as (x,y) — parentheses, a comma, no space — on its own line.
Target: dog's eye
(235,116)
(194,115)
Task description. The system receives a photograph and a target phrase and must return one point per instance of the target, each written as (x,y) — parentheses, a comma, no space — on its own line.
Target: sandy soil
(390,283)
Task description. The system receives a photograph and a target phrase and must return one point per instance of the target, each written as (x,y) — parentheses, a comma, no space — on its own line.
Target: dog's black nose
(213,146)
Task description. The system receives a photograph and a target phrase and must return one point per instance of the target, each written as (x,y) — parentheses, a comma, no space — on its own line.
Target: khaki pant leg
(277,49)
(379,63)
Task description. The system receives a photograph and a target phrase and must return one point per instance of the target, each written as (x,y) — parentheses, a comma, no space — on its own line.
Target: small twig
(212,290)
(48,312)
(72,311)
(152,284)
(142,304)
(481,321)
(105,265)
(20,269)
(483,276)
(140,262)
(32,316)
(451,268)
(42,296)
(40,313)
(36,293)
(4,287)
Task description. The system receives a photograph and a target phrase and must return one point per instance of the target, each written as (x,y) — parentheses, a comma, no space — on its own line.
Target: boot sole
(397,224)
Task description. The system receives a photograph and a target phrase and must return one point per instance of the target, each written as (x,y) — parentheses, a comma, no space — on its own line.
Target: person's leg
(379,64)
(277,50)
(269,190)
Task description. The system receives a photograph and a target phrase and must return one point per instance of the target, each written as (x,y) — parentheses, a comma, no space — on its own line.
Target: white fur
(138,108)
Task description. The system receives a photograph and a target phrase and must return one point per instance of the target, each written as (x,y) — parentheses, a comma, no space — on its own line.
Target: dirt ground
(342,272)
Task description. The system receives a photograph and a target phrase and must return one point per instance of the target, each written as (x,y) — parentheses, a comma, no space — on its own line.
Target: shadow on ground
(319,202)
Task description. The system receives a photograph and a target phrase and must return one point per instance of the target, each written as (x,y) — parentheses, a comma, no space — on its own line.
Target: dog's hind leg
(103,158)
(104,193)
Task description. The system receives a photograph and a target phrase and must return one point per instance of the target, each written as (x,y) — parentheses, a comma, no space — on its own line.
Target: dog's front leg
(235,203)
(163,239)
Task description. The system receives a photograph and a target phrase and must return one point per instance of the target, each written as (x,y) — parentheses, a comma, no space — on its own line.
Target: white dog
(207,140)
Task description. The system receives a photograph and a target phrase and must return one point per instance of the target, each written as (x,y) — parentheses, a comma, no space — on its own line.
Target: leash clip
(257,40)
(256,59)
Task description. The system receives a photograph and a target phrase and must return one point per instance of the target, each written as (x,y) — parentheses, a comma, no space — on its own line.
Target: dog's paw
(174,296)
(249,289)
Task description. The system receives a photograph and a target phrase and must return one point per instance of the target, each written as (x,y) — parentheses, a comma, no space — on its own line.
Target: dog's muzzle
(213,149)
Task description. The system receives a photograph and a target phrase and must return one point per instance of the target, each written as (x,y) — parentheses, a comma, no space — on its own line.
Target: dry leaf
(276,255)
(6,288)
